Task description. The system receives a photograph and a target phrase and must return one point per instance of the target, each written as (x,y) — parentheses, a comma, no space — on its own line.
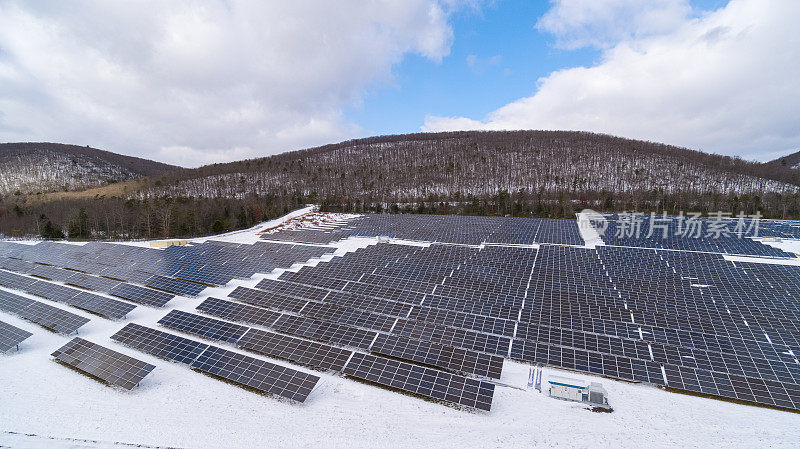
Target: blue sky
(504,30)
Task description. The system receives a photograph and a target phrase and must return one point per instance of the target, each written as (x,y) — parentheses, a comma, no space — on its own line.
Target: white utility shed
(576,390)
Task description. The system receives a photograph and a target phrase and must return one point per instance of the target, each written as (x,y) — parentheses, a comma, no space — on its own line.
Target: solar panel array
(11,336)
(257,374)
(441,228)
(422,381)
(179,270)
(691,321)
(45,315)
(102,363)
(90,302)
(438,319)
(328,357)
(789,229)
(704,234)
(160,344)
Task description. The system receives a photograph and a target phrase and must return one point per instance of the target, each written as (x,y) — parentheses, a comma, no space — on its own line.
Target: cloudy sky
(190,82)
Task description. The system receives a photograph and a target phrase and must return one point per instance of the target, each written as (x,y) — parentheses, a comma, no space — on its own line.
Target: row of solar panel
(210,263)
(100,305)
(45,315)
(449,228)
(257,374)
(123,290)
(111,367)
(433,354)
(443,386)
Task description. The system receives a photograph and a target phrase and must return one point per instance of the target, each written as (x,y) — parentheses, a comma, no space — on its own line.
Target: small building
(578,391)
(167,243)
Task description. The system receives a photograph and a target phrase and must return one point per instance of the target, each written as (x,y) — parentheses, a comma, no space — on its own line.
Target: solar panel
(460,338)
(275,301)
(203,326)
(325,331)
(254,373)
(258,374)
(20,266)
(96,283)
(346,315)
(297,350)
(160,344)
(15,281)
(176,286)
(102,363)
(419,380)
(238,312)
(106,307)
(47,316)
(142,295)
(11,336)
(447,357)
(50,272)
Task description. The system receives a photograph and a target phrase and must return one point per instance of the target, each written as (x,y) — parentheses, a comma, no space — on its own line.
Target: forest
(117,218)
(520,173)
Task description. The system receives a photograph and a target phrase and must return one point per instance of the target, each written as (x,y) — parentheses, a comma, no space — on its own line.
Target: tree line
(149,218)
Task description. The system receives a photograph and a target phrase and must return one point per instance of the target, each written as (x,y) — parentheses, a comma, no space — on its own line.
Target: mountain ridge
(32,167)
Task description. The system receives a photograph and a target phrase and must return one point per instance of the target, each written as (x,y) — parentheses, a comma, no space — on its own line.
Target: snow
(44,404)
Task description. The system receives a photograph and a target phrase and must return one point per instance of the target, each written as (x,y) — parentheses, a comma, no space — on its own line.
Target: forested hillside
(524,173)
(790,161)
(542,172)
(27,168)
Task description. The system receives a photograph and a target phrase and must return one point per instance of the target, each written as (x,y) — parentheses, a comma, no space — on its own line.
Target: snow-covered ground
(44,404)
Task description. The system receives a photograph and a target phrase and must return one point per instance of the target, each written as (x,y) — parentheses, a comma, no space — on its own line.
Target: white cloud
(725,82)
(191,82)
(602,23)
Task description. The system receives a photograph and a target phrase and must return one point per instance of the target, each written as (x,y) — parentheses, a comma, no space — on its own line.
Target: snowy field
(44,404)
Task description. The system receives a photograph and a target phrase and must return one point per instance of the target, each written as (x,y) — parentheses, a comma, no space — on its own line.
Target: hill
(46,167)
(788,162)
(522,173)
(599,170)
